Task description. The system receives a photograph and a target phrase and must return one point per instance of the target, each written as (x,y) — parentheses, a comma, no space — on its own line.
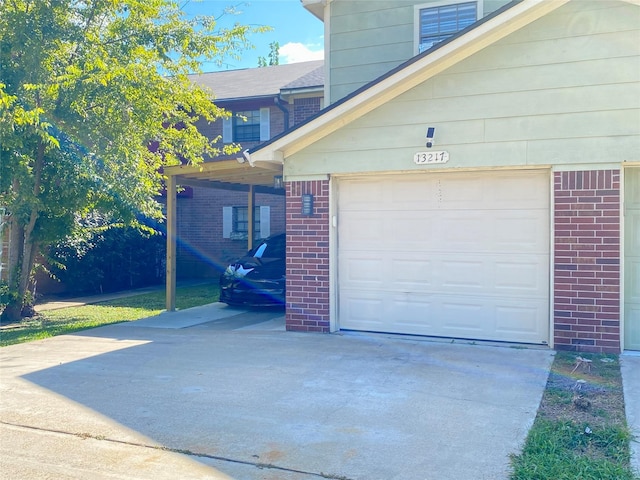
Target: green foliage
(111,259)
(563,451)
(95,99)
(274,56)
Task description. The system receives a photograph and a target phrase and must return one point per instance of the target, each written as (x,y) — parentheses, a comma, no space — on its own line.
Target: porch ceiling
(227,174)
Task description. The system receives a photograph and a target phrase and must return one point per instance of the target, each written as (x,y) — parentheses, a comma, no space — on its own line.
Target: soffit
(230,174)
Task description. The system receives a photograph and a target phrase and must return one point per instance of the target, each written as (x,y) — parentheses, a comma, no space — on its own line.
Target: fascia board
(410,76)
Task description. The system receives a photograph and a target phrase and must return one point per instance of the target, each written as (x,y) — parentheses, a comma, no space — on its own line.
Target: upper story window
(247,126)
(437,22)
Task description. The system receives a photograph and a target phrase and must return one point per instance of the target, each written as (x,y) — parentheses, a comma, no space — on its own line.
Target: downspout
(280,104)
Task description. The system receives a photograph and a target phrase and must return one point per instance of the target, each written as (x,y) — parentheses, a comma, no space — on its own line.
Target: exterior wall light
(278,182)
(307,204)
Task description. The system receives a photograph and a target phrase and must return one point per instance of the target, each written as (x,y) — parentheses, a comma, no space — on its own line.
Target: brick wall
(202,252)
(307,258)
(587,261)
(303,108)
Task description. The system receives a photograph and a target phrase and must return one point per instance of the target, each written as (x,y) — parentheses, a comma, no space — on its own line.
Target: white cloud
(293,52)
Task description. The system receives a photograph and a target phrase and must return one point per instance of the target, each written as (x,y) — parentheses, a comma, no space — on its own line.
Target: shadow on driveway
(251,401)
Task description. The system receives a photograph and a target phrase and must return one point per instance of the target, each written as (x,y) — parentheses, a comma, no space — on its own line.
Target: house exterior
(471,178)
(213,219)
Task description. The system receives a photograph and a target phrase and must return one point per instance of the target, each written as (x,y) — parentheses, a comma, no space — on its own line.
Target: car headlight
(237,271)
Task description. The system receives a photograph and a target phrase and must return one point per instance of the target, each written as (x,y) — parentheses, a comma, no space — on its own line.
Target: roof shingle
(260,82)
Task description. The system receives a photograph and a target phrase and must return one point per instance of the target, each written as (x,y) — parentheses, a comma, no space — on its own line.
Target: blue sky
(299,33)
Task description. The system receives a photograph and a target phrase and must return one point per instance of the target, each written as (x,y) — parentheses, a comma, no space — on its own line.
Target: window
(241,220)
(235,222)
(439,22)
(247,126)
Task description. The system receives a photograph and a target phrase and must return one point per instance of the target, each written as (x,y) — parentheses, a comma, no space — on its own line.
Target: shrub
(112,259)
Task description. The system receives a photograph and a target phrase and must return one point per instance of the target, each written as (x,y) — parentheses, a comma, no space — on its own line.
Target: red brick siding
(307,258)
(202,251)
(303,108)
(587,261)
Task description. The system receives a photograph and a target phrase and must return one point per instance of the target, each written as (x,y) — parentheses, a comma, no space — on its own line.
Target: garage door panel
(402,194)
(457,256)
(362,194)
(463,232)
(460,273)
(364,271)
(412,274)
(359,227)
(521,192)
(411,310)
(365,310)
(525,232)
(516,276)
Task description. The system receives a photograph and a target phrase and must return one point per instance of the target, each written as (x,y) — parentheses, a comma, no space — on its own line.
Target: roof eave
(297,91)
(407,76)
(316,7)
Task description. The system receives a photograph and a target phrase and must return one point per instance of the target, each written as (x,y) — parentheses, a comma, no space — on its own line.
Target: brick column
(308,258)
(587,261)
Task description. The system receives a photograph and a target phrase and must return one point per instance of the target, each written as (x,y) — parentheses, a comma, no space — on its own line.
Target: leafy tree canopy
(94,99)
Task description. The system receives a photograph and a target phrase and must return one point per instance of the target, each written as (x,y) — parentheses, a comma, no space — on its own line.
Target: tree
(94,100)
(274,56)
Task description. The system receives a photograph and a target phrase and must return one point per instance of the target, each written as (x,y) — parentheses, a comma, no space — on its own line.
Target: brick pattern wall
(202,252)
(303,108)
(307,258)
(587,261)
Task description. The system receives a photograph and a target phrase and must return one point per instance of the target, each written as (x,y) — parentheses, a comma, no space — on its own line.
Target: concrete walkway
(630,368)
(232,397)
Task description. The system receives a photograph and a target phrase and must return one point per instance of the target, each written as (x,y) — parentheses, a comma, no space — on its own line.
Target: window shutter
(227,130)
(227,221)
(265,127)
(265,221)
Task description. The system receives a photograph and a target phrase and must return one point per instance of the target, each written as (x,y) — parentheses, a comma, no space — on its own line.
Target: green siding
(551,93)
(369,38)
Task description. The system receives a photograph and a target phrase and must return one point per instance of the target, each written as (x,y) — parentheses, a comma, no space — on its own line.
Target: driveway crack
(259,465)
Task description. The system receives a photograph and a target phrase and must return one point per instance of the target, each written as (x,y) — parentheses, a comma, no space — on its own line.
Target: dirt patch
(585,389)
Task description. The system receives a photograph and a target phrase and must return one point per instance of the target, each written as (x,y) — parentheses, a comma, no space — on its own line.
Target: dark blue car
(258,278)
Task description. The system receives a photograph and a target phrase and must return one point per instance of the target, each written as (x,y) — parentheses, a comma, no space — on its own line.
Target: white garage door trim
(632,259)
(462,254)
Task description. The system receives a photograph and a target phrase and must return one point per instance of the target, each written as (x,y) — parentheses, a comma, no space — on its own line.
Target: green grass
(68,320)
(561,450)
(567,442)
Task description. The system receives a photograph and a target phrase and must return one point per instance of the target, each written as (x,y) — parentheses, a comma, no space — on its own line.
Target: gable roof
(501,23)
(261,82)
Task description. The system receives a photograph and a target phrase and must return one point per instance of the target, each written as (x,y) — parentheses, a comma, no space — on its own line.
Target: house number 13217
(422,158)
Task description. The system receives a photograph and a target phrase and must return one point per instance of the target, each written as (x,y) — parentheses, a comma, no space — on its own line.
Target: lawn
(580,431)
(68,320)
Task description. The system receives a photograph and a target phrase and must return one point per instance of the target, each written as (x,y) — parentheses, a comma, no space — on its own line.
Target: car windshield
(271,248)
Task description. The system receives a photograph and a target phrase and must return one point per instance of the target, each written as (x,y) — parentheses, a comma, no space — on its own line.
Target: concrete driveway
(218,393)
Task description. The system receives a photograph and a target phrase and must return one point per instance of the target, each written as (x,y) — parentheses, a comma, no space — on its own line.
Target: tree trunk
(22,247)
(13,310)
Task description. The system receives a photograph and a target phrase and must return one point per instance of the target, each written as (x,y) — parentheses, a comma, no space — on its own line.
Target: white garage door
(632,260)
(446,254)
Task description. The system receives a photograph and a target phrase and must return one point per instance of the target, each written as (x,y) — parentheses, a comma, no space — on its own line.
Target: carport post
(251,230)
(171,243)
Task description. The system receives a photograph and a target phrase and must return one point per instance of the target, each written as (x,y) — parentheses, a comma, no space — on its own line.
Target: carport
(239,174)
